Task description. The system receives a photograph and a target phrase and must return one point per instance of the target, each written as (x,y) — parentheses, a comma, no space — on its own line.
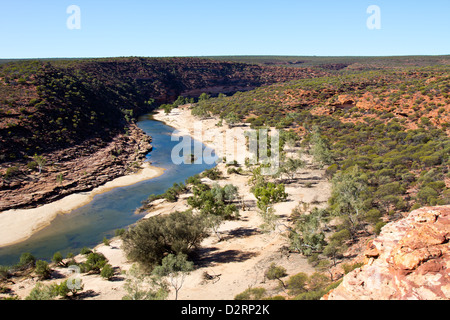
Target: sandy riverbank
(19,225)
(245,252)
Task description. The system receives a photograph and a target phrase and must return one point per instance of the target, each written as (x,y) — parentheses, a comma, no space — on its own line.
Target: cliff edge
(409,260)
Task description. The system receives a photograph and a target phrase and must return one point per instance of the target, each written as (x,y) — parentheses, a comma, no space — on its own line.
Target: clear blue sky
(37,28)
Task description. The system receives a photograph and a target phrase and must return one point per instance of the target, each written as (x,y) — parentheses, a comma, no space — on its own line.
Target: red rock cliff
(409,260)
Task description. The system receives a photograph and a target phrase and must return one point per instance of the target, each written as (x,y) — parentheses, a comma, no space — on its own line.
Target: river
(107,212)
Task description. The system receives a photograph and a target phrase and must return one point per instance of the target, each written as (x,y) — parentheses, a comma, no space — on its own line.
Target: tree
(213,222)
(269,217)
(42,270)
(320,149)
(214,204)
(204,96)
(41,292)
(26,260)
(297,283)
(325,266)
(288,138)
(153,238)
(307,236)
(176,268)
(290,167)
(275,272)
(107,272)
(269,193)
(63,289)
(200,111)
(140,286)
(40,161)
(251,294)
(334,250)
(232,118)
(58,259)
(95,262)
(348,196)
(214,201)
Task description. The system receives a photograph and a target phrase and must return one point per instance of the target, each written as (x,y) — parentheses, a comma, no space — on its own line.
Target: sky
(149,28)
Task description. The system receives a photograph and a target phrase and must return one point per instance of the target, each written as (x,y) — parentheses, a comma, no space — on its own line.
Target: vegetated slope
(336,64)
(410,95)
(384,137)
(69,110)
(49,105)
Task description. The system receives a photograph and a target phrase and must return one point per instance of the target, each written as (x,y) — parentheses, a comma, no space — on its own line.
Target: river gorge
(109,211)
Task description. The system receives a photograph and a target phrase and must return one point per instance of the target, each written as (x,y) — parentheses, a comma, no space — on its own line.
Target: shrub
(378,227)
(107,272)
(58,259)
(42,270)
(275,272)
(95,262)
(212,174)
(11,172)
(373,216)
(341,236)
(151,239)
(331,170)
(41,292)
(297,283)
(85,251)
(251,294)
(27,260)
(350,267)
(269,193)
(5,272)
(119,232)
(426,195)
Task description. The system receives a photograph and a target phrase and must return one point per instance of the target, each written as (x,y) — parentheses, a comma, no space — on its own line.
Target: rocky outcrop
(75,169)
(410,259)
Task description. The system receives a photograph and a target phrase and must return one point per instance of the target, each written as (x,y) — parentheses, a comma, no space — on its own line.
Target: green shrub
(27,260)
(213,174)
(341,236)
(151,239)
(378,226)
(85,251)
(107,272)
(427,195)
(11,172)
(297,284)
(42,270)
(251,294)
(95,262)
(119,232)
(58,259)
(5,272)
(275,272)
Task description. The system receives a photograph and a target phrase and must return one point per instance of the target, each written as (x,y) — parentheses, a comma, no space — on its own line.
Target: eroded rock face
(409,260)
(82,168)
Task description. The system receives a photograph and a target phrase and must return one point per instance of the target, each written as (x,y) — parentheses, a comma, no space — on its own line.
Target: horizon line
(231,55)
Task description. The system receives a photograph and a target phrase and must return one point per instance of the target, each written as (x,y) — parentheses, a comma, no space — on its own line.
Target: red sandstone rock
(410,259)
